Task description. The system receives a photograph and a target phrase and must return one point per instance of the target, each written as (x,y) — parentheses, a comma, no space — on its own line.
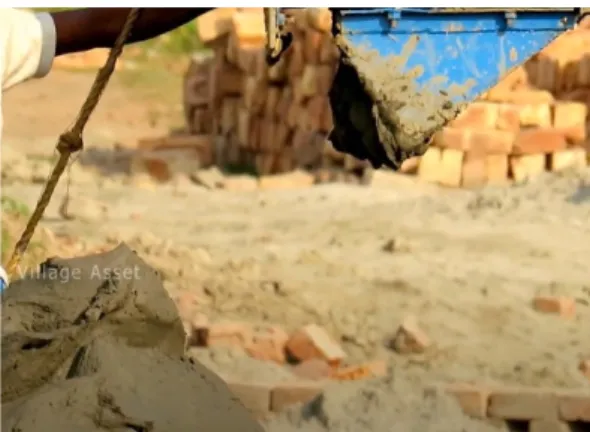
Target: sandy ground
(466,263)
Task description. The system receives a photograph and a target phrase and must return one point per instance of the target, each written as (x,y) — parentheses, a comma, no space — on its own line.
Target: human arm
(29,42)
(84,29)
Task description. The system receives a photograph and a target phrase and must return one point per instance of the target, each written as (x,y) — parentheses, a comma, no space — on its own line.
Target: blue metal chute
(447,57)
(461,47)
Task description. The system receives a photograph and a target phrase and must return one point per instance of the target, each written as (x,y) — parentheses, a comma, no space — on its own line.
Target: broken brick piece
(312,341)
(575,405)
(267,344)
(313,369)
(292,393)
(410,338)
(523,403)
(473,399)
(254,396)
(563,306)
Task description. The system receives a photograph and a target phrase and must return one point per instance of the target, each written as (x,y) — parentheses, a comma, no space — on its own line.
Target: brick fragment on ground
(472,398)
(559,305)
(286,394)
(255,397)
(523,403)
(575,405)
(312,341)
(267,344)
(313,369)
(410,338)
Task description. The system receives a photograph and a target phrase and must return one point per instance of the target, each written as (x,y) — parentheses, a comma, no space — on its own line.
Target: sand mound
(396,403)
(95,344)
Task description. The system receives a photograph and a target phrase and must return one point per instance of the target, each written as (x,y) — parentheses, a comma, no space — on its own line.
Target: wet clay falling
(380,113)
(83,350)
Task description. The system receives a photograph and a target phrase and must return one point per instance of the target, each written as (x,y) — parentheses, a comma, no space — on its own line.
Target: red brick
(312,341)
(523,403)
(214,24)
(570,119)
(496,168)
(410,166)
(256,397)
(319,19)
(195,329)
(575,406)
(267,344)
(452,138)
(286,394)
(570,158)
(474,171)
(327,120)
(312,45)
(430,164)
(478,115)
(451,165)
(313,369)
(248,27)
(584,71)
(521,96)
(491,141)
(537,115)
(296,60)
(329,52)
(526,166)
(508,118)
(410,338)
(315,110)
(547,425)
(563,306)
(541,140)
(472,399)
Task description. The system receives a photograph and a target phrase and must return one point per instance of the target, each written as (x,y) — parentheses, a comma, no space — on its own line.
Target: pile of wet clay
(380,113)
(95,344)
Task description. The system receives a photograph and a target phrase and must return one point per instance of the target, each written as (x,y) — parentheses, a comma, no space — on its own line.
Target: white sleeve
(27,45)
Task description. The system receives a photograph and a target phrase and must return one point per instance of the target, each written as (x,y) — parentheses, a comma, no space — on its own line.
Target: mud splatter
(380,112)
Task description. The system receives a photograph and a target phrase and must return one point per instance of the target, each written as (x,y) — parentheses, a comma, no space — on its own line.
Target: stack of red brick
(273,118)
(241,112)
(316,359)
(534,120)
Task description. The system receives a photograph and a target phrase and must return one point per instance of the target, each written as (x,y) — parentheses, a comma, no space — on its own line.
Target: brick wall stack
(534,120)
(276,119)
(272,118)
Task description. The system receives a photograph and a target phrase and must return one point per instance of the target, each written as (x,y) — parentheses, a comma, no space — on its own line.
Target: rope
(71,141)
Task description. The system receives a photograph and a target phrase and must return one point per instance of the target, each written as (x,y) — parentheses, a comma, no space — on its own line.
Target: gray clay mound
(89,351)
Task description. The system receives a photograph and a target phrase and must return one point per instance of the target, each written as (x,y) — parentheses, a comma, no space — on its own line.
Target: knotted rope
(71,141)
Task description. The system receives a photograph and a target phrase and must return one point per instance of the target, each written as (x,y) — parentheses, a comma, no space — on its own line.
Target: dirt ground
(356,260)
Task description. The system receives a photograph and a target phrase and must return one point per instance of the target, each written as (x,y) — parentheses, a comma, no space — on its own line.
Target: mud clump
(380,113)
(96,344)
